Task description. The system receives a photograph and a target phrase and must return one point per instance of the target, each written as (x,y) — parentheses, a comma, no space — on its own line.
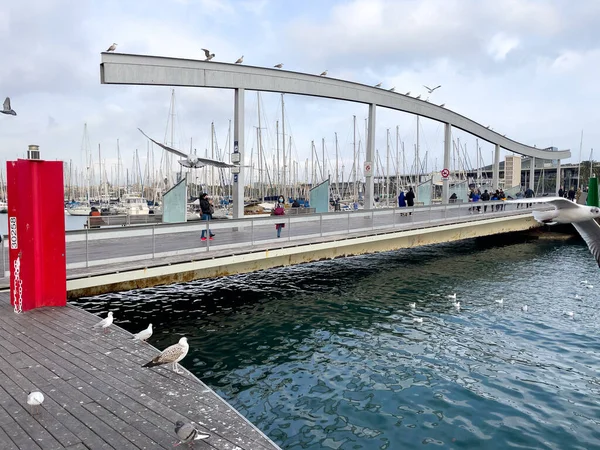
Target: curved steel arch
(119,68)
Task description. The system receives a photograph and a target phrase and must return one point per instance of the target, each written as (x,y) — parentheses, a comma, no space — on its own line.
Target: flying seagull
(187,433)
(430,89)
(6,109)
(279,66)
(581,216)
(106,322)
(171,355)
(112,48)
(393,89)
(35,399)
(208,54)
(323,74)
(191,161)
(378,85)
(240,60)
(143,335)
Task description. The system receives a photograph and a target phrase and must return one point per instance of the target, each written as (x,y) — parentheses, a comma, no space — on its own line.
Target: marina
(306,226)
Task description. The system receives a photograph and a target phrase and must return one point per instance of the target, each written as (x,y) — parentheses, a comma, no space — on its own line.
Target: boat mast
(355,193)
(283,181)
(260,153)
(323,160)
(337,179)
(277,167)
(212,155)
(579,165)
(387,169)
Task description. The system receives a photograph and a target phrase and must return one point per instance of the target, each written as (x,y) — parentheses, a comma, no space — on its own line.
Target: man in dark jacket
(207,211)
(410,198)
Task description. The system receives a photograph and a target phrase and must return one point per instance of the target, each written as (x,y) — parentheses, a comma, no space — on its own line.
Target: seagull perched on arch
(278,66)
(208,54)
(430,90)
(240,60)
(323,74)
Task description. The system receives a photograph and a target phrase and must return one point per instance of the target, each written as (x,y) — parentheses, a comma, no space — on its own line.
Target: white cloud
(501,45)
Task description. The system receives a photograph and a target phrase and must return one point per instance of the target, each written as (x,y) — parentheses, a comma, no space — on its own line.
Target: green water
(327,356)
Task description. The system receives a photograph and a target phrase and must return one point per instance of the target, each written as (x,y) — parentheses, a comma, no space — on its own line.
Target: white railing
(95,247)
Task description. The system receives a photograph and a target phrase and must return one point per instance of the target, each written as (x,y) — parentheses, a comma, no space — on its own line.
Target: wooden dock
(97,395)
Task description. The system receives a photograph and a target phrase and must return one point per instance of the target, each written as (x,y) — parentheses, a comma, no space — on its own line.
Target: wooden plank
(97,394)
(6,442)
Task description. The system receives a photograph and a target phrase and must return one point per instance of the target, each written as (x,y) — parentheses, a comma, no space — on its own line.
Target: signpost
(445,173)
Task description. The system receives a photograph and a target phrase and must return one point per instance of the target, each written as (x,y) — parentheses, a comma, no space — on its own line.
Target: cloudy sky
(527,68)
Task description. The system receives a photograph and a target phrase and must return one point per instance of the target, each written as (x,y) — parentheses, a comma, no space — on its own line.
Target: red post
(36,229)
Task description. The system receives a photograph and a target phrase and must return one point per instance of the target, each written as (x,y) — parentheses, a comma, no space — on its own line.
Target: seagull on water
(240,60)
(378,85)
(278,66)
(577,297)
(430,90)
(452,296)
(412,305)
(171,355)
(418,320)
(112,48)
(143,335)
(456,305)
(188,433)
(589,286)
(570,314)
(208,54)
(584,281)
(323,74)
(500,302)
(524,308)
(6,109)
(581,216)
(35,400)
(105,323)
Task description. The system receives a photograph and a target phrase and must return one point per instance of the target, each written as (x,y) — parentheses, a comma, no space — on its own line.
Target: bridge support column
(532,174)
(238,154)
(558,178)
(496,168)
(447,144)
(369,159)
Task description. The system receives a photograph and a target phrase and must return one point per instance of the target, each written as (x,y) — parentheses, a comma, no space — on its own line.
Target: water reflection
(326,355)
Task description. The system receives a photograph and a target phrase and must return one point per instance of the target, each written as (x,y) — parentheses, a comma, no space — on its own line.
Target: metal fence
(94,247)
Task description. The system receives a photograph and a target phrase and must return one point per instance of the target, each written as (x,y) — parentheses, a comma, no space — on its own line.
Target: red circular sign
(445,173)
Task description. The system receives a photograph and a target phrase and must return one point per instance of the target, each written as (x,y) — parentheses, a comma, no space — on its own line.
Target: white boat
(133,206)
(80,210)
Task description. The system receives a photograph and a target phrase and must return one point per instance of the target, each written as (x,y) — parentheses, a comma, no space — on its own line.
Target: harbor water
(328,356)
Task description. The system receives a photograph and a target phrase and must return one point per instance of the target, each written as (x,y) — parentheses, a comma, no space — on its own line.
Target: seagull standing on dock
(208,54)
(112,48)
(106,322)
(6,108)
(240,60)
(188,433)
(35,400)
(143,335)
(171,355)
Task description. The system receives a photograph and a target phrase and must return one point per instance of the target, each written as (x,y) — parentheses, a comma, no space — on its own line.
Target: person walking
(529,194)
(279,210)
(207,210)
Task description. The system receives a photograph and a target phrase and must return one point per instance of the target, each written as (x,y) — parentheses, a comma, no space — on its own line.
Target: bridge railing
(95,247)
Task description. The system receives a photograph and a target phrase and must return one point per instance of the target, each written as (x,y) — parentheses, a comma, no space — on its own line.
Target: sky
(526,68)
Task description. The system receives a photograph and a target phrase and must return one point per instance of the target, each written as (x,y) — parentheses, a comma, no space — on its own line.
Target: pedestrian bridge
(118,68)
(120,258)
